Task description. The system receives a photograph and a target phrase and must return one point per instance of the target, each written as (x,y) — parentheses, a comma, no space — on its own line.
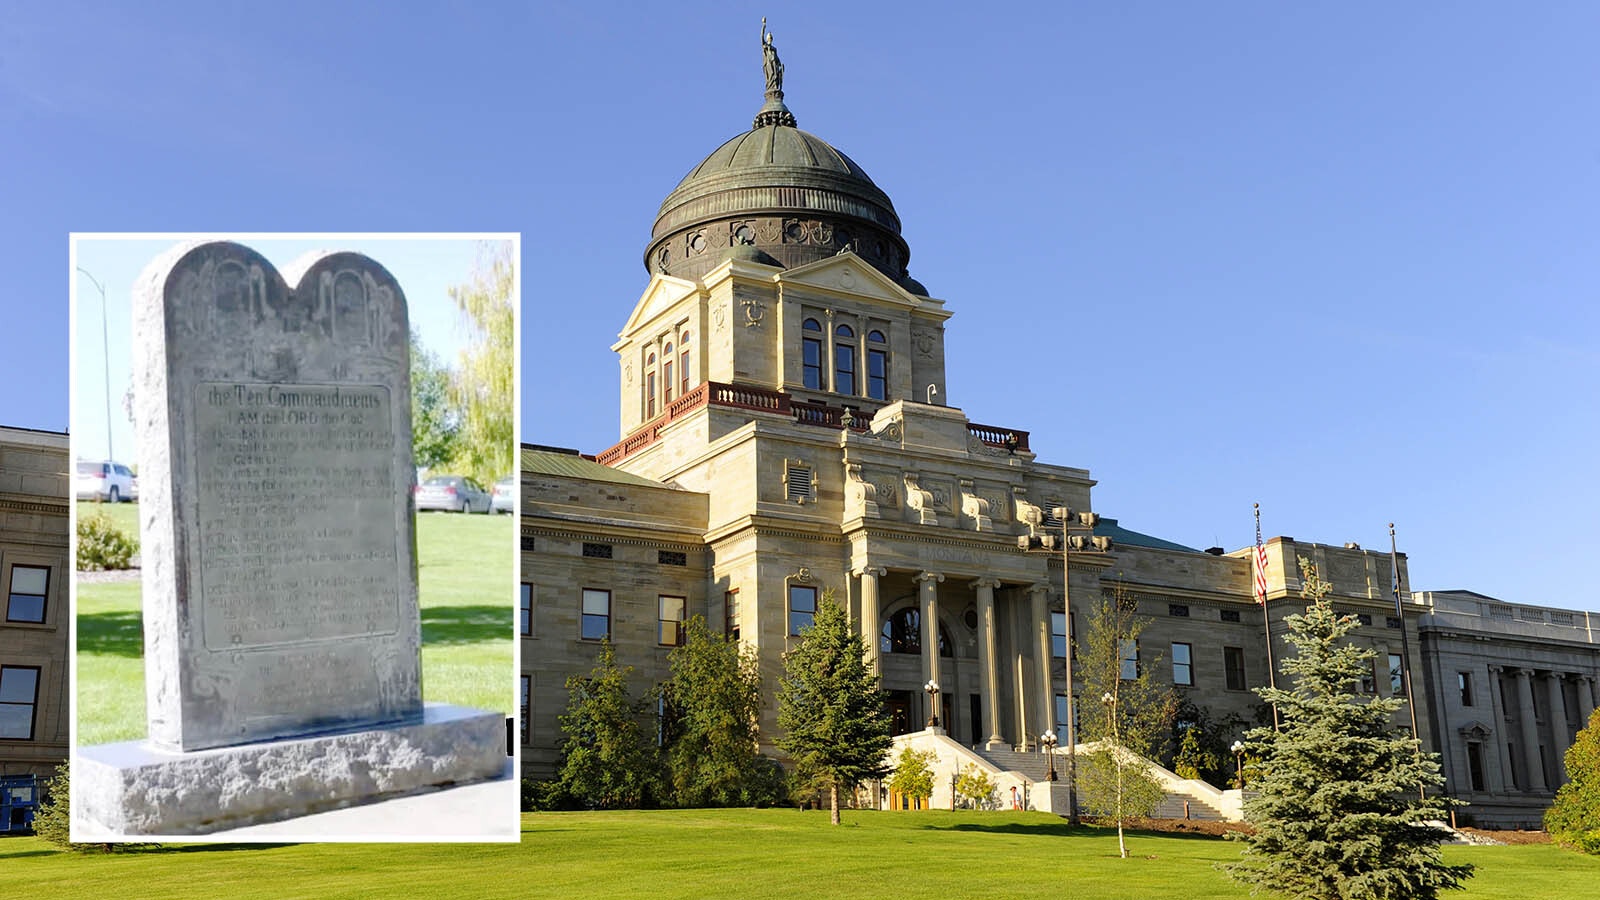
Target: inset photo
(293,595)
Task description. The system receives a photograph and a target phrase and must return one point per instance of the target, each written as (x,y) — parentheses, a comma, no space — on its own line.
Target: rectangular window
(1181,610)
(1230,615)
(844,369)
(1363,618)
(596,551)
(1397,684)
(683,371)
(671,620)
(526,624)
(19,697)
(1475,764)
(650,396)
(1182,665)
(666,383)
(596,624)
(1058,635)
(802,608)
(811,363)
(672,558)
(1464,684)
(528,546)
(526,709)
(1130,660)
(29,585)
(730,606)
(1369,679)
(1391,621)
(1233,667)
(877,374)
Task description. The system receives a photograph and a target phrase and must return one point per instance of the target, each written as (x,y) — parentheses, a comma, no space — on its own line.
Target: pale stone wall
(35,481)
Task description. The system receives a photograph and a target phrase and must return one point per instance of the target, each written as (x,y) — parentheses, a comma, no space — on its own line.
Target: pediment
(849,275)
(1475,730)
(662,294)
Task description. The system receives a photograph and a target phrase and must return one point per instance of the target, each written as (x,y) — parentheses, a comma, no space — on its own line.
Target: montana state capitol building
(784,433)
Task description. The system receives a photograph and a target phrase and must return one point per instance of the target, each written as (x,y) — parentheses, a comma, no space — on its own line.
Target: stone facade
(34,666)
(1510,685)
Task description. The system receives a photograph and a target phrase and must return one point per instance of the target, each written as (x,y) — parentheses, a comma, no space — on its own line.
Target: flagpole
(1260,565)
(1405,648)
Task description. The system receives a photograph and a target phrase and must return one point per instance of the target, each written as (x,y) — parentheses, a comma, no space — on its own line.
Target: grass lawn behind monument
(123,515)
(466,573)
(724,853)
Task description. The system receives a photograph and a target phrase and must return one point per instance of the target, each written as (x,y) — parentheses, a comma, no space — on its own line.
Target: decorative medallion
(847,279)
(719,317)
(753,312)
(923,339)
(769,231)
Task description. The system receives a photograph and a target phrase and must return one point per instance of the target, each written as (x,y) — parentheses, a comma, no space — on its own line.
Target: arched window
(666,375)
(877,366)
(844,361)
(902,633)
(650,387)
(811,354)
(683,362)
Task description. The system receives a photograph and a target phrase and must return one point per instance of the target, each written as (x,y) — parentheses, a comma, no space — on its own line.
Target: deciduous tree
(1128,711)
(1574,820)
(913,774)
(434,418)
(716,698)
(482,386)
(1338,816)
(830,706)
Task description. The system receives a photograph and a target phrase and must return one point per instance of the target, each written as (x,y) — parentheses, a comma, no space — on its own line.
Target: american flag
(1261,572)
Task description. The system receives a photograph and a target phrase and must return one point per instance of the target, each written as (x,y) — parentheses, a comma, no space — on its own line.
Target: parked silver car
(452,493)
(505,495)
(103,480)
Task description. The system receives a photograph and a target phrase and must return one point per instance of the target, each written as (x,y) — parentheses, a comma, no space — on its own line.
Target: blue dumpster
(19,798)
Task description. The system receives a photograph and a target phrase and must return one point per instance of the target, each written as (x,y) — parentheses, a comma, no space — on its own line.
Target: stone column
(1041,627)
(1558,728)
(988,677)
(1500,781)
(1533,762)
(870,627)
(928,583)
(1585,700)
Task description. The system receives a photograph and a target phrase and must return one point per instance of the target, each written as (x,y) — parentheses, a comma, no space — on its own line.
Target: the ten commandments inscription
(282,470)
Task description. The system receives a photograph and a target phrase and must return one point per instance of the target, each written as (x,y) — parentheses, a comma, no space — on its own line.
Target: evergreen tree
(1574,820)
(1338,816)
(607,760)
(715,697)
(52,821)
(1131,719)
(830,706)
(913,775)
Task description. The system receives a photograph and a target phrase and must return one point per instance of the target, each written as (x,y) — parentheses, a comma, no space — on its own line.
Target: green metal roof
(1119,535)
(555,461)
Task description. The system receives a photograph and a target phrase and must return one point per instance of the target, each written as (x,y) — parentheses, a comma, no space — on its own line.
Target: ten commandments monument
(281,621)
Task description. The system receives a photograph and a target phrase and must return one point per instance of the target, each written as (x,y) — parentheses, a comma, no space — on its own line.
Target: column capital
(987,581)
(1039,587)
(929,578)
(875,571)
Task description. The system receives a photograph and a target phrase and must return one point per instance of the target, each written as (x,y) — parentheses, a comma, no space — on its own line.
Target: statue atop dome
(770,63)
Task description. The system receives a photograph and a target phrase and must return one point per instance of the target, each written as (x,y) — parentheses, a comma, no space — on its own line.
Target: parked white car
(104,480)
(505,495)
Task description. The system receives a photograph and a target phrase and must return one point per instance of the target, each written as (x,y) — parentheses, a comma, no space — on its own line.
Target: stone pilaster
(928,589)
(988,677)
(1040,594)
(1533,763)
(870,626)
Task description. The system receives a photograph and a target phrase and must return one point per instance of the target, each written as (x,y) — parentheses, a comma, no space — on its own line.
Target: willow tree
(483,384)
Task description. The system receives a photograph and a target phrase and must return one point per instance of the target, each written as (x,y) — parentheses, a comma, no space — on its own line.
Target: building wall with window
(600,549)
(34,570)
(1510,685)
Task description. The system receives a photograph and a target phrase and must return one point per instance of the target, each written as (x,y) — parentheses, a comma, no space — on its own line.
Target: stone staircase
(1186,799)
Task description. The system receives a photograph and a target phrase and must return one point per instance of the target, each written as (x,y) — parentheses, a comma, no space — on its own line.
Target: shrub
(1574,819)
(102,545)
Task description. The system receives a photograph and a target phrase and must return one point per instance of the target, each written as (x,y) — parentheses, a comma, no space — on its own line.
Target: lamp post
(105,342)
(1238,761)
(932,687)
(1062,515)
(1048,742)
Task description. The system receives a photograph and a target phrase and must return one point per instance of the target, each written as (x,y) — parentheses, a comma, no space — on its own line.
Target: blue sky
(1340,260)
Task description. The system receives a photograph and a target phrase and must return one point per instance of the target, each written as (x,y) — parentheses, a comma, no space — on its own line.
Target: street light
(1238,759)
(1048,742)
(932,687)
(105,339)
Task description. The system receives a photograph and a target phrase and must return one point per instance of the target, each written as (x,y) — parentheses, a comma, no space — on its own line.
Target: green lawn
(745,853)
(467,581)
(124,515)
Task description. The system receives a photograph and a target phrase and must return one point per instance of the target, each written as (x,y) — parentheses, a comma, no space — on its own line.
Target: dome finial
(773,112)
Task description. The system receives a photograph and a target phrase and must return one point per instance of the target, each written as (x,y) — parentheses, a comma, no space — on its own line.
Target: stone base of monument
(134,788)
